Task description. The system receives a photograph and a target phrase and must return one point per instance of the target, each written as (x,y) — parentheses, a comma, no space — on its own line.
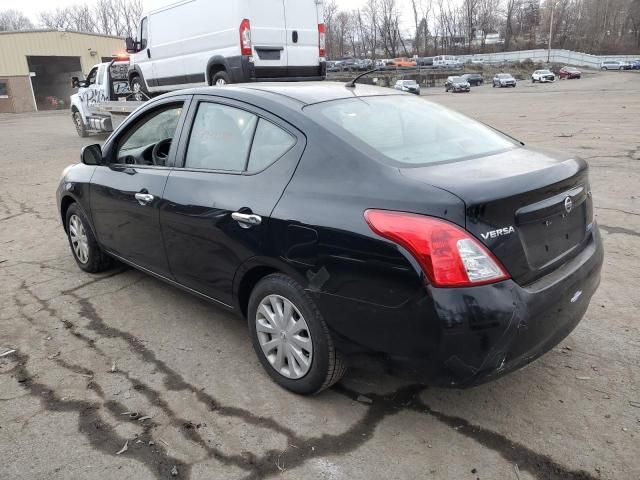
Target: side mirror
(130,45)
(91,155)
(75,82)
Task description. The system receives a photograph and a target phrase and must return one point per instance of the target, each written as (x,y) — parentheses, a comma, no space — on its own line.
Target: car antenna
(352,83)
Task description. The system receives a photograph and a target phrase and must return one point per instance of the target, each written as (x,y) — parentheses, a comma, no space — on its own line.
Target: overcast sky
(32,7)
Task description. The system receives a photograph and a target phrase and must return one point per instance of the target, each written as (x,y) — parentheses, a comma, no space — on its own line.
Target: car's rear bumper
(466,336)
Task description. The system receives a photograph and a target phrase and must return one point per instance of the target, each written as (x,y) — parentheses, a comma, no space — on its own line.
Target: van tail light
(448,255)
(321,40)
(245,37)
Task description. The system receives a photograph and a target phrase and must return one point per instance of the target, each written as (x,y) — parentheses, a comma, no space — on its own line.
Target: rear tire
(138,89)
(220,79)
(312,342)
(84,247)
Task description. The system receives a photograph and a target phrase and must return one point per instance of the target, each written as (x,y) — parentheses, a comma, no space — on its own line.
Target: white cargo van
(213,42)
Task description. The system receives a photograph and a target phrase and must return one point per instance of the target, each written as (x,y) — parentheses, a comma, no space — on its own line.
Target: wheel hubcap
(79,241)
(220,82)
(284,336)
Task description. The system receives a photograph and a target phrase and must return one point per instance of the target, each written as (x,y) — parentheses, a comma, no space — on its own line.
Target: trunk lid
(532,210)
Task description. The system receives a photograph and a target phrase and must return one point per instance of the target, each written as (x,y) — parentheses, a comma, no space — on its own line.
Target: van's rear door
(268,36)
(302,19)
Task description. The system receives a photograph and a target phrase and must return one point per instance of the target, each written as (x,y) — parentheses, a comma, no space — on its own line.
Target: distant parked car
(612,65)
(474,79)
(457,84)
(542,76)
(569,73)
(346,64)
(425,61)
(626,65)
(504,80)
(403,62)
(410,86)
(635,65)
(332,66)
(446,61)
(477,61)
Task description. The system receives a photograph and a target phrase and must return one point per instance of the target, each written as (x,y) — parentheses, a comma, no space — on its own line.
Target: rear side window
(221,138)
(269,144)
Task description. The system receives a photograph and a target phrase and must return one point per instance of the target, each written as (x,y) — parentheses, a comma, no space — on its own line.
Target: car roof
(301,92)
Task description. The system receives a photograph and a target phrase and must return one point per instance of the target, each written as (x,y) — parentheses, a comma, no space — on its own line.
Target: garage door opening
(52,80)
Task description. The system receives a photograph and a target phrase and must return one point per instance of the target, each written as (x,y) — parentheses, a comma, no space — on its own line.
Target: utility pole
(550,32)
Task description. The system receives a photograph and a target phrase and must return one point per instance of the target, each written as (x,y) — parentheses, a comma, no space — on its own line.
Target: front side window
(158,128)
(408,131)
(91,78)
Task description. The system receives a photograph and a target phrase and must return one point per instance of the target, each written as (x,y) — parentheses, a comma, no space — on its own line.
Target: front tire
(81,128)
(290,337)
(84,247)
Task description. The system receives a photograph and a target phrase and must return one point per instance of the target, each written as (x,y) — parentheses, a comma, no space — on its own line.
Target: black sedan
(342,222)
(474,79)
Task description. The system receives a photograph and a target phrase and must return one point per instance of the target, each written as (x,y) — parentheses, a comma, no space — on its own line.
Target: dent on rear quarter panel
(318,225)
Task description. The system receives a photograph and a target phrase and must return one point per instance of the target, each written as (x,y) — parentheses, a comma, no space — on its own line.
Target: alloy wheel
(284,336)
(79,241)
(221,82)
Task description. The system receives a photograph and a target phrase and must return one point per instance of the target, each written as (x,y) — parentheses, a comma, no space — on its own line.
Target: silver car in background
(410,86)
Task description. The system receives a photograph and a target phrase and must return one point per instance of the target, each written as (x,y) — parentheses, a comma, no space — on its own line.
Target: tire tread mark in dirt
(538,465)
(272,461)
(101,436)
(612,229)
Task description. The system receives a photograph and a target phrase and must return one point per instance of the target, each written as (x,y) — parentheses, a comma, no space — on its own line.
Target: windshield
(544,72)
(504,75)
(457,79)
(407,131)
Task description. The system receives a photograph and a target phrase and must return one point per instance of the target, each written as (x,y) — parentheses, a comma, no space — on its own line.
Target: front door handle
(144,198)
(246,220)
(148,53)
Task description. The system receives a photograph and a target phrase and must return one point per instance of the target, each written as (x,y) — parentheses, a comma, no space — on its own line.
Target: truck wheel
(79,124)
(220,79)
(139,91)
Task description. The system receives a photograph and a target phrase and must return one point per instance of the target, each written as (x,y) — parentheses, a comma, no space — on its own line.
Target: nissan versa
(343,221)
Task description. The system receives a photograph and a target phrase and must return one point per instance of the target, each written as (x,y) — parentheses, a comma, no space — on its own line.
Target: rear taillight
(321,40)
(448,255)
(245,37)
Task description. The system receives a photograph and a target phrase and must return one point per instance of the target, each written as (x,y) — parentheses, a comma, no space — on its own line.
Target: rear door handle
(144,198)
(246,220)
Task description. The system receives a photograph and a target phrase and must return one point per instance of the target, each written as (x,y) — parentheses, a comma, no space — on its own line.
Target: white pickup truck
(102,99)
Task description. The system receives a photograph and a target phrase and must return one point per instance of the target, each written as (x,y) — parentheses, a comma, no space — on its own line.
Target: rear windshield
(408,131)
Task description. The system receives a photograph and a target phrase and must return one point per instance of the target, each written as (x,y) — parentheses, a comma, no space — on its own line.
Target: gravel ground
(89,349)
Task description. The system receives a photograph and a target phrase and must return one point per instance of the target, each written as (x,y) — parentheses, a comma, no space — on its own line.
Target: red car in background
(569,73)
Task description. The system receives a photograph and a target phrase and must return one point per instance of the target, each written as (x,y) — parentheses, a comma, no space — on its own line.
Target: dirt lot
(90,348)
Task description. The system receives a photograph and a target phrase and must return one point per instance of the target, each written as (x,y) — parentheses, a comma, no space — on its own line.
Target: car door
(92,92)
(234,163)
(126,192)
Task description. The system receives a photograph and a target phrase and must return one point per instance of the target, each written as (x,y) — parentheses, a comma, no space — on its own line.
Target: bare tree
(109,17)
(14,20)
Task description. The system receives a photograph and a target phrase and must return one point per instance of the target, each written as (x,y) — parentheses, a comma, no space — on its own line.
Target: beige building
(36,66)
